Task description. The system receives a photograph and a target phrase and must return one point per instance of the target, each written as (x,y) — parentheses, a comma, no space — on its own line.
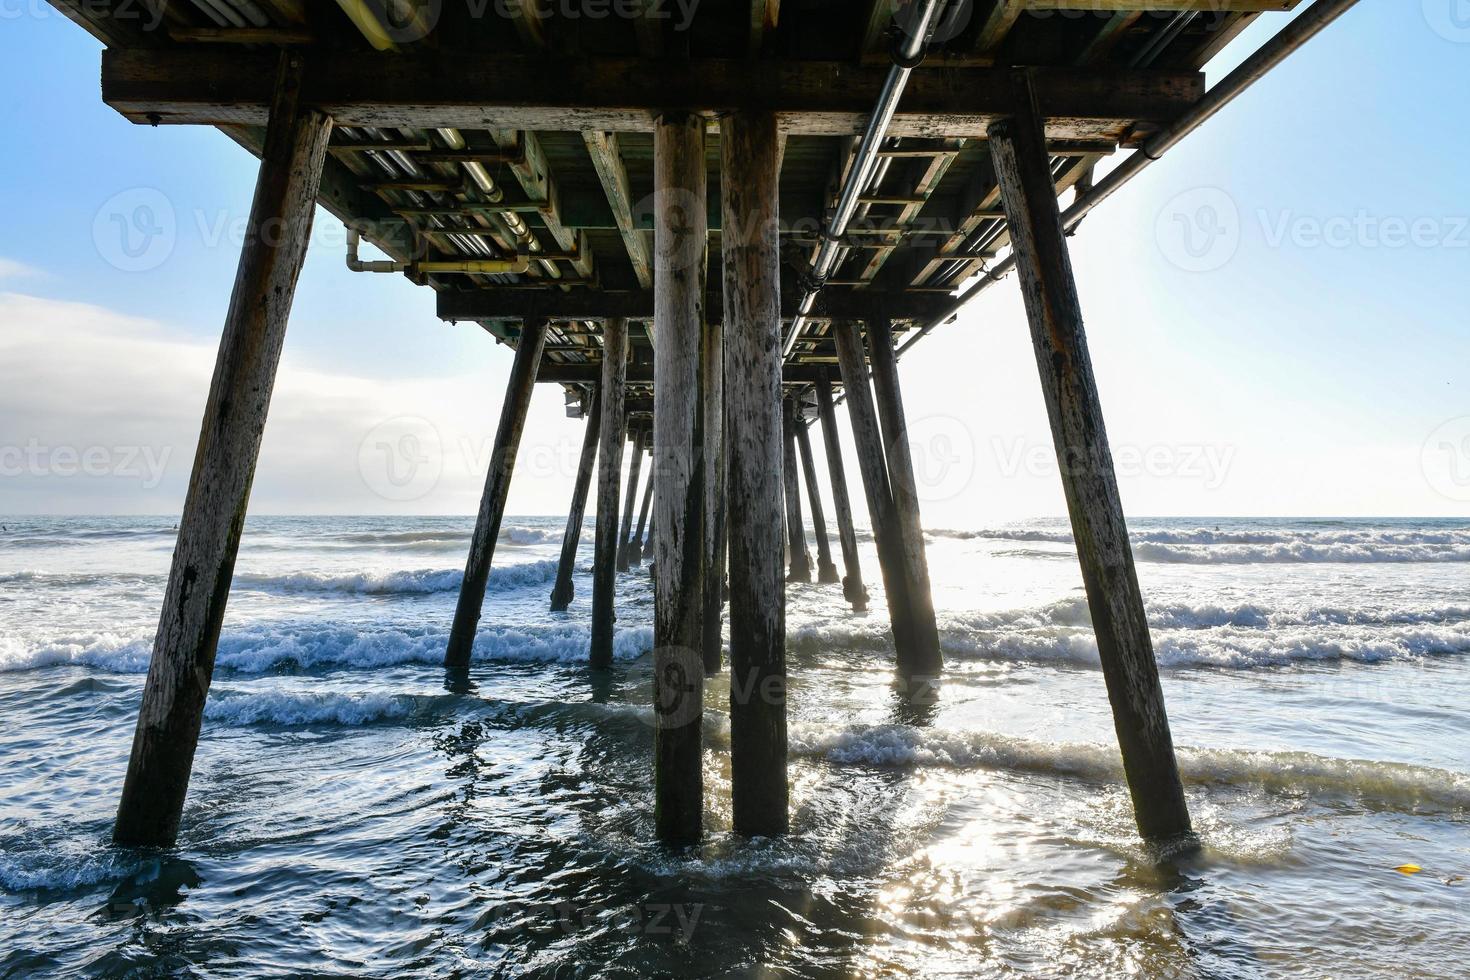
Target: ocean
(354,813)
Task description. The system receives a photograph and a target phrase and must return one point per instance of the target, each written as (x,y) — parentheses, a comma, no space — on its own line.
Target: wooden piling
(1022,167)
(562,591)
(925,657)
(826,571)
(800,558)
(224,466)
(609,475)
(497,486)
(681,246)
(640,546)
(625,536)
(752,294)
(853,589)
(873,467)
(712,389)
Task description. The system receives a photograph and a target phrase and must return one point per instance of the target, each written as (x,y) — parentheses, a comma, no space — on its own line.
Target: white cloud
(11,269)
(93,403)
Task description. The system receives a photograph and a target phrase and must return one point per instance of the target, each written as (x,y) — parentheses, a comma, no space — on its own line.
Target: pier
(710,234)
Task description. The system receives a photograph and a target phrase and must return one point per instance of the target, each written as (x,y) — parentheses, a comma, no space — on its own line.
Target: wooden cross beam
(637,304)
(209,86)
(572,374)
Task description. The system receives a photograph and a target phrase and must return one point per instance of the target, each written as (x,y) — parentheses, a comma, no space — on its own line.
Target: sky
(1277,313)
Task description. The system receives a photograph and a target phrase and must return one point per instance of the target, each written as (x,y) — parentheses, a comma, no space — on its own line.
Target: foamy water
(355,812)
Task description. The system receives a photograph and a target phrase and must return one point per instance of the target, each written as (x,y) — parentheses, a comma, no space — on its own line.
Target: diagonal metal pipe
(1305,26)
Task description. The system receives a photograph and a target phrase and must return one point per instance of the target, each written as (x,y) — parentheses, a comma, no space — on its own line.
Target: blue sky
(1313,360)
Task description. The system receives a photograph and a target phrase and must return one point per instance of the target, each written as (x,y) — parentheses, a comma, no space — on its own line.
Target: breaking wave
(425,581)
(1243,546)
(262,648)
(901,746)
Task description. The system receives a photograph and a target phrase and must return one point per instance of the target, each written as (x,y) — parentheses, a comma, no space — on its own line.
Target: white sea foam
(303,708)
(423,581)
(262,647)
(1243,546)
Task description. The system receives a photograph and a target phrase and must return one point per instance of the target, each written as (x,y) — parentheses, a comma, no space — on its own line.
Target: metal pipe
(1302,29)
(860,174)
(473,267)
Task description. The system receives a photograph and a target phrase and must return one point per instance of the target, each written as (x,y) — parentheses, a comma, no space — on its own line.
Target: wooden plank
(513,411)
(608,162)
(283,36)
(609,474)
(193,85)
(997,24)
(923,658)
(763,17)
(752,279)
(681,259)
(596,304)
(853,589)
(530,23)
(800,560)
(224,465)
(1088,478)
(562,590)
(563,373)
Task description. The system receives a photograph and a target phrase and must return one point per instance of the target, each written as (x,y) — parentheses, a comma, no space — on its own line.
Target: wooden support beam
(826,570)
(609,473)
(608,162)
(799,558)
(640,545)
(752,279)
(630,502)
(224,465)
(924,659)
(712,389)
(1088,478)
(513,411)
(421,91)
(562,591)
(997,24)
(763,17)
(597,304)
(681,259)
(874,471)
(853,589)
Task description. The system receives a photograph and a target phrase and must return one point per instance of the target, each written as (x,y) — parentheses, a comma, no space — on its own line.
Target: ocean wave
(426,581)
(53,860)
(262,648)
(296,708)
(901,746)
(1217,546)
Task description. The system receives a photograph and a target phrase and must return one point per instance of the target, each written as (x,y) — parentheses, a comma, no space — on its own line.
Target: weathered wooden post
(1018,148)
(801,560)
(609,475)
(826,571)
(497,485)
(562,591)
(925,657)
(639,546)
(853,589)
(630,502)
(712,386)
(874,471)
(752,280)
(681,247)
(224,466)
